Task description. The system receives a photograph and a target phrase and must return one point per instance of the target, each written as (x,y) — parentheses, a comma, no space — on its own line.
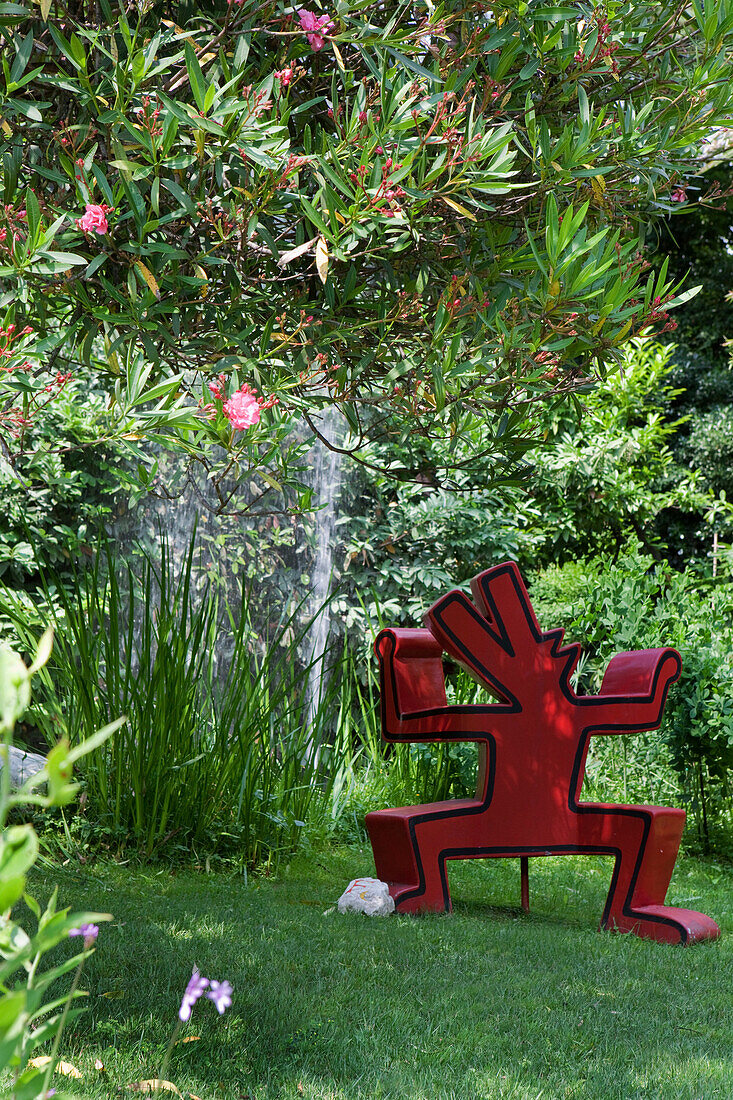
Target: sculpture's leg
(524,875)
(647,839)
(406,858)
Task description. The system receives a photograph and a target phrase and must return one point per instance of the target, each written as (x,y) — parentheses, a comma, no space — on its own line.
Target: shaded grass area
(486,1003)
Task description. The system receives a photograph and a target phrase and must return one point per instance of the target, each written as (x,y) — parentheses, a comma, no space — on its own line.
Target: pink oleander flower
(243,409)
(284,76)
(313,25)
(94,218)
(679,194)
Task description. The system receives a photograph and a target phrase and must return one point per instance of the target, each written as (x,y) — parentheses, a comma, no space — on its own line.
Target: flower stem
(166,1058)
(57,1038)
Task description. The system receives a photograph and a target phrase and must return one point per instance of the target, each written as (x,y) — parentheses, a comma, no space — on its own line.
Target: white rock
(23,765)
(367,895)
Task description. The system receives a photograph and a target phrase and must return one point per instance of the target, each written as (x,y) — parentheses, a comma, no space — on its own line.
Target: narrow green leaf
(178,193)
(94,742)
(166,388)
(77,48)
(314,216)
(414,67)
(63,45)
(22,58)
(438,384)
(103,184)
(68,258)
(583,105)
(33,214)
(196,77)
(529,69)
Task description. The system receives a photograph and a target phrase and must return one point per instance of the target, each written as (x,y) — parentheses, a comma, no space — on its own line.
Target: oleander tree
(420,223)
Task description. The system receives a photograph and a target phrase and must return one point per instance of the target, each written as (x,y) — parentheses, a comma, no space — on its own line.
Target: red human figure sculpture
(533,743)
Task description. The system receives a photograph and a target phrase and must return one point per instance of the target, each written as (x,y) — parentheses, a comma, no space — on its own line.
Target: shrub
(637,603)
(429,218)
(609,470)
(56,492)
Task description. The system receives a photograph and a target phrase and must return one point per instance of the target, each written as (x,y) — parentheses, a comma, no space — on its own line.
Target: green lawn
(485,1003)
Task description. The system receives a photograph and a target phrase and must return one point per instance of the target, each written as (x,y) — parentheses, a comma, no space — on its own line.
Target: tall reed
(217,741)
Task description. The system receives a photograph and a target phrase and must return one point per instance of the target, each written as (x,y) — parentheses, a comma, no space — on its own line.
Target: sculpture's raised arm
(634,690)
(413,700)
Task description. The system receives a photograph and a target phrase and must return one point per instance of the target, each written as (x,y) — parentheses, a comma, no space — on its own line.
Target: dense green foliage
(594,535)
(59,487)
(700,242)
(424,232)
(419,233)
(697,244)
(428,218)
(607,474)
(640,604)
(216,757)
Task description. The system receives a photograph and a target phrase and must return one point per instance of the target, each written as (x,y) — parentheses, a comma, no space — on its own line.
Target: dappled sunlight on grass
(487,1003)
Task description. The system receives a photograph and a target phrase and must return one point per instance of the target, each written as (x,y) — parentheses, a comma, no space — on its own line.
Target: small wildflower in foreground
(221,994)
(218,992)
(88,931)
(194,989)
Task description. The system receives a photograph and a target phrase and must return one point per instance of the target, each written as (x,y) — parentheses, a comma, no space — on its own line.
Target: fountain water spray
(326,481)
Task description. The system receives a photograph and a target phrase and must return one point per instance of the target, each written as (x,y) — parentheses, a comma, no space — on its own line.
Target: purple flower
(221,994)
(88,931)
(194,989)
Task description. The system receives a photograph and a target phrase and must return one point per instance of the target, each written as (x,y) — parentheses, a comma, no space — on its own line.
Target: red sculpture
(533,743)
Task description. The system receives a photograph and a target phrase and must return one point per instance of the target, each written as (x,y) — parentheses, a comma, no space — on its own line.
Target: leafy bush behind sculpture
(639,604)
(609,480)
(430,218)
(608,474)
